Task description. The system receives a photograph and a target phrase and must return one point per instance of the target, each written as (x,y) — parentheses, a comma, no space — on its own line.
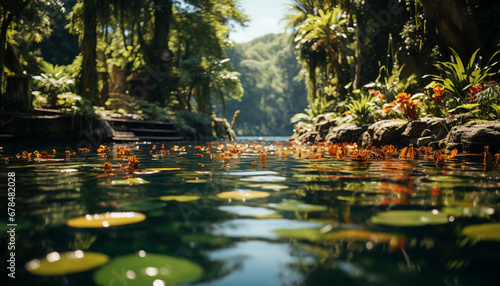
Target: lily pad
(264,179)
(310,234)
(164,169)
(483,232)
(468,211)
(273,187)
(106,219)
(250,173)
(294,206)
(196,181)
(410,218)
(181,198)
(148,269)
(56,263)
(140,206)
(130,181)
(447,181)
(243,195)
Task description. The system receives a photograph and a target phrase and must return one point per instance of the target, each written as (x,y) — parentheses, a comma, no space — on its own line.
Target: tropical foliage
(402,41)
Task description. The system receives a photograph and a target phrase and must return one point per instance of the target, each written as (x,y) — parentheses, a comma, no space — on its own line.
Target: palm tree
(321,41)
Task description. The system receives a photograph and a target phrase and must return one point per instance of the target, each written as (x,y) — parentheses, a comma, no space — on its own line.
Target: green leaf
(409,218)
(146,268)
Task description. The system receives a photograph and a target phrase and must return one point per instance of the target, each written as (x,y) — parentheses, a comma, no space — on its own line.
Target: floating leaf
(468,211)
(410,218)
(243,195)
(164,169)
(130,181)
(181,198)
(106,219)
(148,269)
(250,173)
(274,187)
(196,181)
(315,234)
(56,263)
(447,181)
(294,205)
(482,232)
(264,179)
(311,234)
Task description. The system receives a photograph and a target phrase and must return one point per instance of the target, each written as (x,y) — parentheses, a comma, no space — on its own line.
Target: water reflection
(312,222)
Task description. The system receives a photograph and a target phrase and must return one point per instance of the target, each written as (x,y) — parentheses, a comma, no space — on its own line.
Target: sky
(265,18)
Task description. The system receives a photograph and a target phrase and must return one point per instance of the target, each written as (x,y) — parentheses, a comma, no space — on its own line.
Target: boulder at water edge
(346,133)
(425,131)
(473,138)
(385,132)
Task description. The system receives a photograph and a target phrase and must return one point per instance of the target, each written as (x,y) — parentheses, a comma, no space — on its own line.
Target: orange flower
(475,89)
(373,92)
(382,96)
(438,92)
(389,106)
(402,97)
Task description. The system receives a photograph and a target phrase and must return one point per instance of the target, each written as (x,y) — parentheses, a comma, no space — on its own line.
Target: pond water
(189,217)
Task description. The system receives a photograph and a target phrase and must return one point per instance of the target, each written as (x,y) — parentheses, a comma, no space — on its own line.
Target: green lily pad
(315,234)
(181,198)
(468,211)
(294,206)
(140,206)
(196,181)
(106,219)
(250,173)
(164,169)
(274,187)
(310,234)
(148,269)
(447,181)
(56,263)
(243,195)
(482,232)
(264,179)
(131,181)
(409,218)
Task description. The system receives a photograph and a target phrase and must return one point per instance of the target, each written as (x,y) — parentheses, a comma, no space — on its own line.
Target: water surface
(322,223)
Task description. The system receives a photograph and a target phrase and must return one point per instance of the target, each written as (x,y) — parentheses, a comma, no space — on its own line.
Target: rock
(346,133)
(324,126)
(366,139)
(424,127)
(473,138)
(308,137)
(385,132)
(424,141)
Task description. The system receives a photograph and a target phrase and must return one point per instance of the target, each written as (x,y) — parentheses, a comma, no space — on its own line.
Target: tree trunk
(160,53)
(455,26)
(3,46)
(89,46)
(357,74)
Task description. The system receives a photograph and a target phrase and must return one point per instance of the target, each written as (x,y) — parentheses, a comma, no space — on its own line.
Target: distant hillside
(272,94)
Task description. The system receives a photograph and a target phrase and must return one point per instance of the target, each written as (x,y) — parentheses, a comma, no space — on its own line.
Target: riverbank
(435,132)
